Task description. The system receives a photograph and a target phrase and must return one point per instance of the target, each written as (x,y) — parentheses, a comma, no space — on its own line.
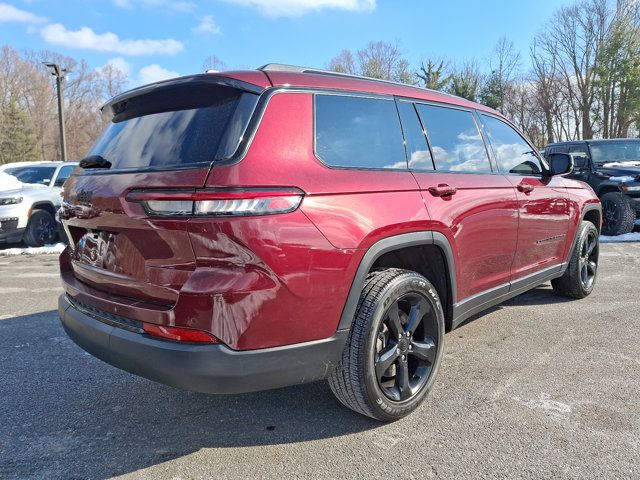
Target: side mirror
(559,164)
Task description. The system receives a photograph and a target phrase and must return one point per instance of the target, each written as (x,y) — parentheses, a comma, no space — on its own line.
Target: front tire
(619,214)
(40,230)
(580,277)
(394,347)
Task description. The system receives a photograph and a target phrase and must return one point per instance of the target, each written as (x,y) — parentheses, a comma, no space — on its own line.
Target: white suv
(29,198)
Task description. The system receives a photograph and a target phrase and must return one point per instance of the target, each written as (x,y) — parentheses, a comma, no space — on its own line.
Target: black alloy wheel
(588,259)
(394,348)
(405,349)
(40,230)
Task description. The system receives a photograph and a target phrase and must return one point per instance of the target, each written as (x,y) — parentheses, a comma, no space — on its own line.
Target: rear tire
(40,230)
(580,277)
(394,347)
(619,214)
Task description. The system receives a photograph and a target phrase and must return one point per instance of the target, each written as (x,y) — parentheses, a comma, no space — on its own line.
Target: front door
(543,204)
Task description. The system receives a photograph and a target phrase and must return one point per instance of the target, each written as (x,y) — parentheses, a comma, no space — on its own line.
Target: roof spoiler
(203,78)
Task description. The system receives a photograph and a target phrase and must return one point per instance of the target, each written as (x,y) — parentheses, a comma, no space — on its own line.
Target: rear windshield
(176,126)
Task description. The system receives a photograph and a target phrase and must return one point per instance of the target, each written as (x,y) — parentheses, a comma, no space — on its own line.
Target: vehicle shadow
(67,414)
(542,295)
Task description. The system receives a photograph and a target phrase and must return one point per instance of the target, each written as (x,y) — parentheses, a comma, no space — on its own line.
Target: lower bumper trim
(11,236)
(202,368)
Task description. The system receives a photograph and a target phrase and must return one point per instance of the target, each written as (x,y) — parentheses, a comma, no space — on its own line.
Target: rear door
(543,203)
(480,218)
(161,138)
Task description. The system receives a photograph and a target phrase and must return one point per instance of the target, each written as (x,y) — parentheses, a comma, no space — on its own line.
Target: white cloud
(122,4)
(176,6)
(9,13)
(155,73)
(87,39)
(207,26)
(120,64)
(293,8)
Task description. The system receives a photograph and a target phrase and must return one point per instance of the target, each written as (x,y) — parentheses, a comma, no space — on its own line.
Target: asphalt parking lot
(540,387)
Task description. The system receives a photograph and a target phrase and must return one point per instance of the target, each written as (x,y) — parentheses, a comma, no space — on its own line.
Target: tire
(619,214)
(580,277)
(380,341)
(40,230)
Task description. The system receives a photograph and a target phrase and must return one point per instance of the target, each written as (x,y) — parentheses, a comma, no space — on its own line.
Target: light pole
(58,72)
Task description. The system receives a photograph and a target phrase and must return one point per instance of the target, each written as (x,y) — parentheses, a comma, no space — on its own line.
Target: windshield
(184,126)
(615,151)
(41,175)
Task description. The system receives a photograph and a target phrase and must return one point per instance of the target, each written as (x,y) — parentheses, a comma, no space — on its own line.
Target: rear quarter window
(358,132)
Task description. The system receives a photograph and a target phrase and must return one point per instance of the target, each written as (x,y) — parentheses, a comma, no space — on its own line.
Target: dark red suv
(249,230)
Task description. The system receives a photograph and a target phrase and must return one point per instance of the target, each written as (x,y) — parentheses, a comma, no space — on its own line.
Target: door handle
(525,187)
(442,190)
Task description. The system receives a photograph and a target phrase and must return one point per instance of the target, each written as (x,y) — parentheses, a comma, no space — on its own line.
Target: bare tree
(381,60)
(213,62)
(503,62)
(618,73)
(113,80)
(343,63)
(573,38)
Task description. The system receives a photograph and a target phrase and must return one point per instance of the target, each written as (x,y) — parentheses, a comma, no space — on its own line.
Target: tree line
(583,82)
(28,104)
(584,79)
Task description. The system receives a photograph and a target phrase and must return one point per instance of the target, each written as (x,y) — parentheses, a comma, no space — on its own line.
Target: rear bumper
(202,368)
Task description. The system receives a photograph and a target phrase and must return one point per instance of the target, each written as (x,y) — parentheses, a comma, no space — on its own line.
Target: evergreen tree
(433,75)
(17,140)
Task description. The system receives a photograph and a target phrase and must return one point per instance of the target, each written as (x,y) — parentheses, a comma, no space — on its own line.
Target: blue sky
(152,39)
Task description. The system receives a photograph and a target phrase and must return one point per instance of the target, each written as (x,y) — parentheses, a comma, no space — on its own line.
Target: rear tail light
(217,203)
(179,334)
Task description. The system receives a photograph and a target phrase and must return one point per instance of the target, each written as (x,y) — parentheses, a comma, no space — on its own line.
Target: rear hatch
(164,136)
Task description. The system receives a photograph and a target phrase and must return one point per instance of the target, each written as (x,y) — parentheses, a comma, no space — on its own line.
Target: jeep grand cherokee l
(29,198)
(248,230)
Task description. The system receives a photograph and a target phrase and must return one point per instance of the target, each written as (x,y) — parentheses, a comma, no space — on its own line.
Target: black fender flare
(44,205)
(390,244)
(607,186)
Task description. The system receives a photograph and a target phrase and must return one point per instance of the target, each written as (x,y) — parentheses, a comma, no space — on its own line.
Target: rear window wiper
(94,161)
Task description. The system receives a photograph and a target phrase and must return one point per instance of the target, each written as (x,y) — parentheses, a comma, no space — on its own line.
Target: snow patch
(625,237)
(628,163)
(46,250)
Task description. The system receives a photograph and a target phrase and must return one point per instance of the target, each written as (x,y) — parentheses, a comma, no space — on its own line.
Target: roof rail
(280,67)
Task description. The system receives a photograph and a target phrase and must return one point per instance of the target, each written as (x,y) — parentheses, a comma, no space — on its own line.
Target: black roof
(594,141)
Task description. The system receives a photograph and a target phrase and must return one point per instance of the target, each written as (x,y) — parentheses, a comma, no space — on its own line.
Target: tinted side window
(417,148)
(358,132)
(456,143)
(64,173)
(513,154)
